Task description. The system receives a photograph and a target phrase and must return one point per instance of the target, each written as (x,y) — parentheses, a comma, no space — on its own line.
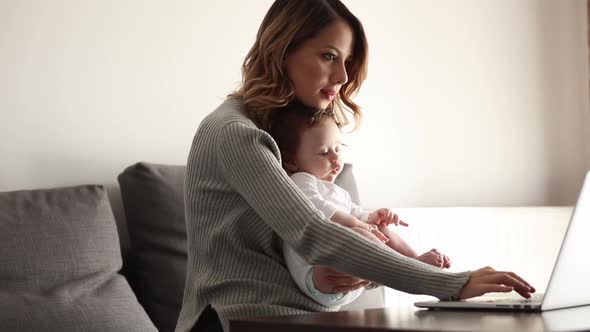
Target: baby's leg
(397,243)
(432,257)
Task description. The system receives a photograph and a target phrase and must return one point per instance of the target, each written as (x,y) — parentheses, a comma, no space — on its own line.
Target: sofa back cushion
(60,261)
(54,236)
(153,199)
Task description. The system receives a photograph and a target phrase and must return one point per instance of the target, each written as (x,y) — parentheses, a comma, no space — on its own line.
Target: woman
(241,206)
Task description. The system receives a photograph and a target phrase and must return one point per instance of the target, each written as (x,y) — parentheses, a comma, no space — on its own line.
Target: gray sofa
(66,264)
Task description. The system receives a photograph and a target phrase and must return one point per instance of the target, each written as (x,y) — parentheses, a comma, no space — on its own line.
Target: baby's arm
(348,220)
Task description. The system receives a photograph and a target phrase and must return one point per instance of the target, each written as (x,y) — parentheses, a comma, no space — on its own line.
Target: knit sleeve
(250,161)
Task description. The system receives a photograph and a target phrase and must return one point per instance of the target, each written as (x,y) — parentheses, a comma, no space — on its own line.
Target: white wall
(467,102)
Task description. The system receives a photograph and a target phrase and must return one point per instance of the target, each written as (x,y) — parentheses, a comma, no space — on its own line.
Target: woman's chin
(320,104)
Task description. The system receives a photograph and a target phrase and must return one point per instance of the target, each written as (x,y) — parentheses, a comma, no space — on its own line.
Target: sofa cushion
(60,261)
(153,199)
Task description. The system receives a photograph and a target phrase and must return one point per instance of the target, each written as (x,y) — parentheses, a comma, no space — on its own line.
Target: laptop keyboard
(535,298)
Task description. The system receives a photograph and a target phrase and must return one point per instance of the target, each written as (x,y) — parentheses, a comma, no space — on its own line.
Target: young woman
(241,206)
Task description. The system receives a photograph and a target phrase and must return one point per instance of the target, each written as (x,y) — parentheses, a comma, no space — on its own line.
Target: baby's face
(319,151)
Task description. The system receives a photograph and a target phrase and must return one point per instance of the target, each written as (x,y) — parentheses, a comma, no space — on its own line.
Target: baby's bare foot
(432,257)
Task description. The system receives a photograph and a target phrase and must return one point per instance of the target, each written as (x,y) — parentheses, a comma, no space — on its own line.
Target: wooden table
(411,319)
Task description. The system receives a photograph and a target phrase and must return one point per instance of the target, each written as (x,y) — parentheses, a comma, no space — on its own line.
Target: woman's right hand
(328,281)
(487,280)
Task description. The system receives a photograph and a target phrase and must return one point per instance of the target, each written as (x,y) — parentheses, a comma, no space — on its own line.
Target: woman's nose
(340,76)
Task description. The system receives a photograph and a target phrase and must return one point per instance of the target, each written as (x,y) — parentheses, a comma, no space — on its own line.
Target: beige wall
(475,103)
(467,102)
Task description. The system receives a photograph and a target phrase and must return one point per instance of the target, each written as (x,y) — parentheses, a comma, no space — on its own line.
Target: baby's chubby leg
(432,257)
(397,243)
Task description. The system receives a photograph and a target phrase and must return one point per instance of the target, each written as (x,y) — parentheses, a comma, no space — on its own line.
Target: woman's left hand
(328,281)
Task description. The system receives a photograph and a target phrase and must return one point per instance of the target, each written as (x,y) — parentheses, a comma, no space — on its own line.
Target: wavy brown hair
(288,24)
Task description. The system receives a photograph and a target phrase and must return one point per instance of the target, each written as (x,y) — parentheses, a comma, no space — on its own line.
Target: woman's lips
(328,93)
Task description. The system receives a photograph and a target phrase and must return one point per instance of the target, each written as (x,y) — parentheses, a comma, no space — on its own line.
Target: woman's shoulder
(231,110)
(230,114)
(229,124)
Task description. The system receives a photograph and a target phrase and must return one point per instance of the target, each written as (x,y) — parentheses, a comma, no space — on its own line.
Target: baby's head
(309,140)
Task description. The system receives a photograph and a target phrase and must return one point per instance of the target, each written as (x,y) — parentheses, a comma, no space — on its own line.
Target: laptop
(569,284)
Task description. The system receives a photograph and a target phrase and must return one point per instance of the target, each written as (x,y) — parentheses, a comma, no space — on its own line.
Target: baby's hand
(375,230)
(385,217)
(371,231)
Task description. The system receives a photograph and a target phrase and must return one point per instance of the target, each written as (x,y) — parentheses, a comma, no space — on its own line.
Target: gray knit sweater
(241,206)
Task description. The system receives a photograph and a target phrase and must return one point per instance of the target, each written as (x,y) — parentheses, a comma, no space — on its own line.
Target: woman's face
(317,68)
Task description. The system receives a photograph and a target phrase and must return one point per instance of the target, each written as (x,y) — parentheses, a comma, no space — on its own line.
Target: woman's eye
(329,56)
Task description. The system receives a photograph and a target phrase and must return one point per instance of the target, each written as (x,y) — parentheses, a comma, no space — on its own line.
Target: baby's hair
(288,123)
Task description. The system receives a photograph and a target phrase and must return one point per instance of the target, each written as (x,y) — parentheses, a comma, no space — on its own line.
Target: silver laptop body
(569,284)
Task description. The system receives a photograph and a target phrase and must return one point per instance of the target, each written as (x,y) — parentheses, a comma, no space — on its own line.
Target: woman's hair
(286,26)
(290,122)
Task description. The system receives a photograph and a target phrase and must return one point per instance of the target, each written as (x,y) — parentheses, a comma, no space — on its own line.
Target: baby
(310,144)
